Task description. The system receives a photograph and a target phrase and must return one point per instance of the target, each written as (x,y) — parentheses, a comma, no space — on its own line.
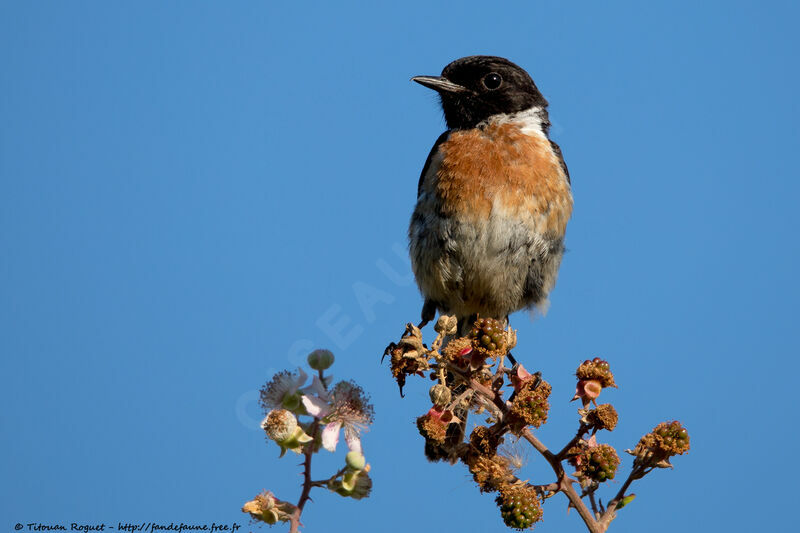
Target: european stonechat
(494,197)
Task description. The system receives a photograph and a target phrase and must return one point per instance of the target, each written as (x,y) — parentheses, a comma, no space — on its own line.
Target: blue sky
(194,195)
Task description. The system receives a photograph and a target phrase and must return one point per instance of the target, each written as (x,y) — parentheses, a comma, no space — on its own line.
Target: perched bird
(494,197)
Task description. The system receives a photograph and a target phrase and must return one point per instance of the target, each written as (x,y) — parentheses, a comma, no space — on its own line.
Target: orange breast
(500,168)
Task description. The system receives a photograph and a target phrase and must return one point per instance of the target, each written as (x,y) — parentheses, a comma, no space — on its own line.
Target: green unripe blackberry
(602,463)
(519,506)
(673,438)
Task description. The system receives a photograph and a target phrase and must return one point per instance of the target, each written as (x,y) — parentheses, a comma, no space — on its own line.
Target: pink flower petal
(353,440)
(330,436)
(317,389)
(315,406)
(301,378)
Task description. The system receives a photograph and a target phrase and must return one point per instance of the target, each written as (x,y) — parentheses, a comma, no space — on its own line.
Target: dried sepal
(458,351)
(408,356)
(484,441)
(433,424)
(354,484)
(265,507)
(604,416)
(490,473)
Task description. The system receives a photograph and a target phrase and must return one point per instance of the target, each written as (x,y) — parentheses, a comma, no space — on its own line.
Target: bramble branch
(470,373)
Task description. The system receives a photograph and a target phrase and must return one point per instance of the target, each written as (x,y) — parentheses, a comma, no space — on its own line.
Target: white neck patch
(530,121)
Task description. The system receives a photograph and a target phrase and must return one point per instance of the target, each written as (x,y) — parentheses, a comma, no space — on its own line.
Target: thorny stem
(610,513)
(593,502)
(547,491)
(308,452)
(307,483)
(459,399)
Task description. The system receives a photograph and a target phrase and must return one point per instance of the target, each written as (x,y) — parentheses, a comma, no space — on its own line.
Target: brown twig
(578,436)
(564,482)
(324,482)
(590,494)
(609,514)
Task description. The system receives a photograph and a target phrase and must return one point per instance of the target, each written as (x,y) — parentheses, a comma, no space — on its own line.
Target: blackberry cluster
(598,463)
(530,405)
(666,439)
(673,437)
(488,334)
(519,506)
(596,369)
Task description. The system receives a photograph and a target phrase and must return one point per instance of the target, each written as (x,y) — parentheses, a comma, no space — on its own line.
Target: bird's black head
(474,88)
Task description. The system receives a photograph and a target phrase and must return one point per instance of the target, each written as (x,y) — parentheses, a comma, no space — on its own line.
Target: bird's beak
(439,84)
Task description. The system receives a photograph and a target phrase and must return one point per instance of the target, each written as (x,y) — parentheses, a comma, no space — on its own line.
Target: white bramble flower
(282,390)
(346,406)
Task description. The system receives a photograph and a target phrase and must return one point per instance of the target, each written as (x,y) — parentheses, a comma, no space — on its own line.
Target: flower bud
(354,484)
(446,325)
(440,395)
(626,500)
(355,460)
(320,359)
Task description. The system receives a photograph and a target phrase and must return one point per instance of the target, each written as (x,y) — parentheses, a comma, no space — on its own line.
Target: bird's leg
(510,357)
(428,313)
(465,324)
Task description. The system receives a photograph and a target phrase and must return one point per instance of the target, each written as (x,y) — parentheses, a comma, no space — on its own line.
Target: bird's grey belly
(491,267)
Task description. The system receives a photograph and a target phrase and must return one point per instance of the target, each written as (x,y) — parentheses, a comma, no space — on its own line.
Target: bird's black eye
(492,81)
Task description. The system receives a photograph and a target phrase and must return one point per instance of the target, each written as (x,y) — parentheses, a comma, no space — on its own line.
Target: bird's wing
(557,151)
(442,138)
